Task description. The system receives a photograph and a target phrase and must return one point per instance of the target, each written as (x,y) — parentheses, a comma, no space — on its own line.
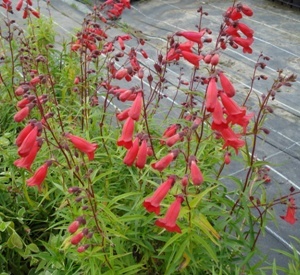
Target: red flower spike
(73,227)
(211,95)
(136,107)
(28,143)
(152,204)
(169,221)
(291,212)
(27,161)
(142,155)
(126,137)
(39,176)
(132,153)
(196,174)
(77,238)
(83,145)
(164,162)
(226,85)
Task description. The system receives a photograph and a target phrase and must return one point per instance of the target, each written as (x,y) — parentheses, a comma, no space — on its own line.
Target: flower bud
(77,238)
(73,227)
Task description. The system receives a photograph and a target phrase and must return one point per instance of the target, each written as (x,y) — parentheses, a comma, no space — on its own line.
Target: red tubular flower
(170,131)
(132,153)
(39,176)
(125,139)
(240,120)
(243,42)
(83,145)
(22,114)
(246,10)
(152,204)
(172,55)
(211,95)
(28,143)
(196,174)
(169,221)
(232,139)
(19,5)
(232,108)
(192,36)
(34,12)
(233,13)
(23,134)
(192,58)
(142,155)
(27,161)
(291,212)
(186,46)
(245,30)
(164,162)
(121,43)
(219,122)
(136,107)
(120,74)
(34,81)
(175,138)
(226,85)
(123,115)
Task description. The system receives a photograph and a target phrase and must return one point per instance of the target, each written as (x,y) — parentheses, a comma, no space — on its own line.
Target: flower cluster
(30,140)
(26,5)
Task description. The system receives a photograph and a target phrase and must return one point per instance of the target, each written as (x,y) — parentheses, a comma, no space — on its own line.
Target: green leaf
(172,240)
(33,248)
(15,241)
(4,142)
(200,196)
(4,225)
(210,249)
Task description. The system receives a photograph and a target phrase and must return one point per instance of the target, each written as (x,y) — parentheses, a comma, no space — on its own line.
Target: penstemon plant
(128,170)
